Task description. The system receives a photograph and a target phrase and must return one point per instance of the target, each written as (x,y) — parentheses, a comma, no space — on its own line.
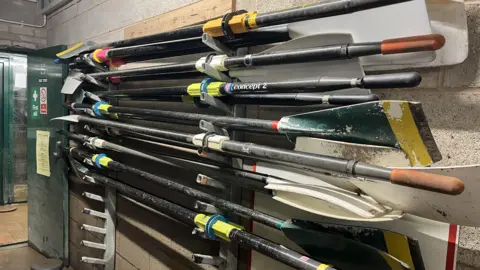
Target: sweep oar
(234,23)
(350,168)
(375,259)
(386,123)
(324,53)
(322,84)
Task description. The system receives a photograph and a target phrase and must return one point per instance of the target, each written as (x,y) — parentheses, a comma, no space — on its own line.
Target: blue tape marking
(203,89)
(211,221)
(97,160)
(95,107)
(204,85)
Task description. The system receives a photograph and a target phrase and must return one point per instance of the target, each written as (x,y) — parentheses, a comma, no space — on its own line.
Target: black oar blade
(341,252)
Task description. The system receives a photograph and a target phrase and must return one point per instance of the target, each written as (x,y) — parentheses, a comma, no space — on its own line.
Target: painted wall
(19,35)
(449,95)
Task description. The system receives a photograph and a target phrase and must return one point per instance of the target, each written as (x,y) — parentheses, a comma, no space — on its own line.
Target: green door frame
(6,133)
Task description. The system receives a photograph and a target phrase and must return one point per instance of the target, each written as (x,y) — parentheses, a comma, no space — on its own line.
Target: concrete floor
(20,257)
(14,225)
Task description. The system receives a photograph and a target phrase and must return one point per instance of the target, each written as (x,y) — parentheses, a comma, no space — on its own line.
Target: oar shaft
(218,120)
(174,68)
(300,99)
(314,11)
(171,135)
(256,37)
(323,84)
(238,178)
(275,251)
(172,90)
(220,203)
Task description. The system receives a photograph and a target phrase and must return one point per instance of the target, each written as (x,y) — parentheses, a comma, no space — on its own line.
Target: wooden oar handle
(413,44)
(427,181)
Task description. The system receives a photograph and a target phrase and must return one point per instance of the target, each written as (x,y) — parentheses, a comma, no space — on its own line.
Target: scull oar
(325,53)
(322,84)
(233,23)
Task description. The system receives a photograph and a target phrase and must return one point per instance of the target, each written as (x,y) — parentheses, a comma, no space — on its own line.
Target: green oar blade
(339,251)
(398,124)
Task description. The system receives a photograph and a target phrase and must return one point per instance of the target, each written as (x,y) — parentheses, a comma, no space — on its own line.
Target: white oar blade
(70,118)
(72,83)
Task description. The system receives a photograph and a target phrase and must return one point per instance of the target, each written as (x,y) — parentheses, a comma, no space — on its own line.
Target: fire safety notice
(43,157)
(43,100)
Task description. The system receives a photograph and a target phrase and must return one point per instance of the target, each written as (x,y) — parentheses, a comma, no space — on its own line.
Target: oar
(325,53)
(387,123)
(233,23)
(372,258)
(281,99)
(322,84)
(187,46)
(355,205)
(214,226)
(241,178)
(339,166)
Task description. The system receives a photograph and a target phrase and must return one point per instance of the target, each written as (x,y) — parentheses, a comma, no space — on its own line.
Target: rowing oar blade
(75,79)
(354,247)
(70,118)
(398,124)
(76,50)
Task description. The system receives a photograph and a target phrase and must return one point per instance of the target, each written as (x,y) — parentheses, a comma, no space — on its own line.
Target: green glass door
(5,192)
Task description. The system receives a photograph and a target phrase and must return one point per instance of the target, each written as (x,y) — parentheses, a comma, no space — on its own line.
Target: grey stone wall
(24,36)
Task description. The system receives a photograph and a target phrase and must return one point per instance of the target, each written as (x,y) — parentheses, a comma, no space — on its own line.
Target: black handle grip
(393,80)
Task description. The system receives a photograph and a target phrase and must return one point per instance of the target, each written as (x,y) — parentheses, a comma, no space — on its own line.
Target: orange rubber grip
(427,181)
(413,44)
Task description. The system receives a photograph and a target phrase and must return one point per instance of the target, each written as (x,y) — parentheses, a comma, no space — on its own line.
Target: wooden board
(187,15)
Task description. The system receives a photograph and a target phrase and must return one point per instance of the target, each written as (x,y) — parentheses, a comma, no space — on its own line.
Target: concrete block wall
(24,36)
(450,95)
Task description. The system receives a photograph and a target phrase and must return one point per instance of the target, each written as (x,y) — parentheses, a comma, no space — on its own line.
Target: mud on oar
(337,166)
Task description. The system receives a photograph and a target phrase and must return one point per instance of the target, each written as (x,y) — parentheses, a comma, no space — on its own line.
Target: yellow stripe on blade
(403,126)
(74,47)
(397,246)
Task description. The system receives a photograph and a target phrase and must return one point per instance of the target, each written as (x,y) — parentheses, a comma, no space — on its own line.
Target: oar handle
(427,181)
(413,44)
(392,80)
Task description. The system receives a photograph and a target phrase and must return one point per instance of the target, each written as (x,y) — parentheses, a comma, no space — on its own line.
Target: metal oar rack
(306,35)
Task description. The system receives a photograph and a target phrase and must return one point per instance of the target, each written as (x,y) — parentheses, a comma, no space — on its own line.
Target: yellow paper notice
(43,157)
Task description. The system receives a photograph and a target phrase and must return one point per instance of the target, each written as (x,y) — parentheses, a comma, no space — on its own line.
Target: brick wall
(24,36)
